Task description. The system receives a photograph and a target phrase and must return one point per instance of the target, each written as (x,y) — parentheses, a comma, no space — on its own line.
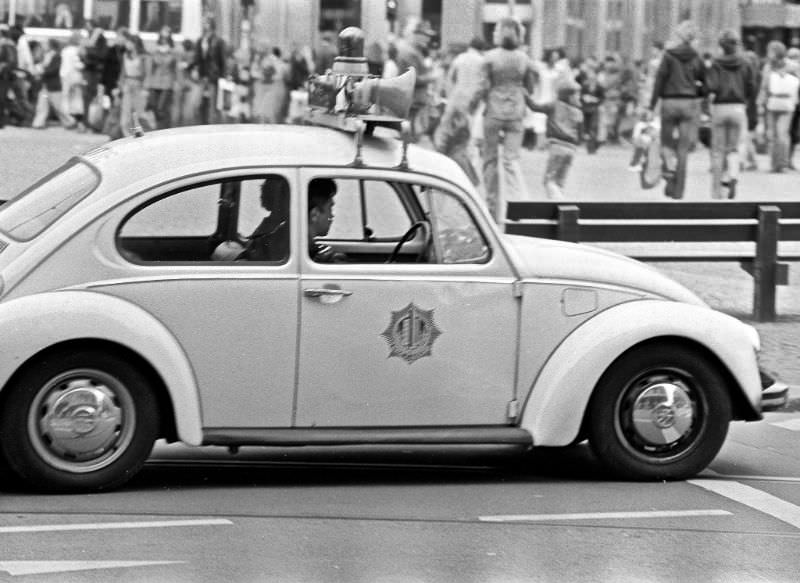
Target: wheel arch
(35,325)
(742,408)
(555,407)
(168,430)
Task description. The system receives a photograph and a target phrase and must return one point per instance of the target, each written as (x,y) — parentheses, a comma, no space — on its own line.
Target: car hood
(551,259)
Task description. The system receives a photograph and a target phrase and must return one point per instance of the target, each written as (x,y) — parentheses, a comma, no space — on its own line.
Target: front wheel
(659,412)
(81,421)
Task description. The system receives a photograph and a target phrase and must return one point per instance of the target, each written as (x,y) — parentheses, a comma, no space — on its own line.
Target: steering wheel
(425,227)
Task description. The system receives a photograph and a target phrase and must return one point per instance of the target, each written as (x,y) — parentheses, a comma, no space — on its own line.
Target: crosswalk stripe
(754,498)
(602,515)
(16,568)
(791,424)
(113,525)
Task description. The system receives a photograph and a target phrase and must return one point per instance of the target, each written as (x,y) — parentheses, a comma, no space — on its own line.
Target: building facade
(56,17)
(580,27)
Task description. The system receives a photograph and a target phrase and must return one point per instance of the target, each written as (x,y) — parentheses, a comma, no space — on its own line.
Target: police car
(189,285)
(130,313)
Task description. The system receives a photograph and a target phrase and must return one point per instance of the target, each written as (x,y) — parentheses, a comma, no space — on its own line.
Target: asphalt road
(552,516)
(272,515)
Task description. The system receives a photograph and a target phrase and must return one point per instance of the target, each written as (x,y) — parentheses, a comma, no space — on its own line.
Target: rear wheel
(660,412)
(78,421)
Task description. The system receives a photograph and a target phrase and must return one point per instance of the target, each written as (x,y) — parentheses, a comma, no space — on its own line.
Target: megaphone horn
(394,96)
(390,97)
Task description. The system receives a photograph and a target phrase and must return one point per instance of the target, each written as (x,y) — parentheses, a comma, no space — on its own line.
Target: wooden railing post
(765,265)
(568,227)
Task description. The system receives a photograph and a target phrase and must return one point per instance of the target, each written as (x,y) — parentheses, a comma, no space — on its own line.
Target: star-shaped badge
(411,333)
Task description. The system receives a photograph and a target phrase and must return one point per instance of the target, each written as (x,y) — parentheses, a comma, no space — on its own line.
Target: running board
(471,435)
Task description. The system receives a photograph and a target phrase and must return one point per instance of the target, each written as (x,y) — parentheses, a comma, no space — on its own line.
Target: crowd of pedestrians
(480,104)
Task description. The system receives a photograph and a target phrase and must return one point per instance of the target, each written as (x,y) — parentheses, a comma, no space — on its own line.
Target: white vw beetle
(131,312)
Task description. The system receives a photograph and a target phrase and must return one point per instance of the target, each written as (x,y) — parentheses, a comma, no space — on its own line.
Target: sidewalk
(26,155)
(605,176)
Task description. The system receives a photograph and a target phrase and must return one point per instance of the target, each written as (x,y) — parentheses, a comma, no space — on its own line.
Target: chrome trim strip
(479,435)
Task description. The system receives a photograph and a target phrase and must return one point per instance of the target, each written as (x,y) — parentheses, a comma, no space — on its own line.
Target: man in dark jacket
(93,55)
(8,66)
(679,84)
(208,68)
(731,86)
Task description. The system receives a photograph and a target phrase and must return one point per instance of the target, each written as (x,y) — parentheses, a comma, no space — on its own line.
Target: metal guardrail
(763,224)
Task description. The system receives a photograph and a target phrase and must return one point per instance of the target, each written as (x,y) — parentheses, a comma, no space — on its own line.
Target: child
(564,123)
(644,132)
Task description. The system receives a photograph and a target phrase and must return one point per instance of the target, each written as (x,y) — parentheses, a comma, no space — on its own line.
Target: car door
(427,340)
(235,319)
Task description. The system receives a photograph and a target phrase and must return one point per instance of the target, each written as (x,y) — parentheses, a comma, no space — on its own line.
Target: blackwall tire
(660,412)
(77,422)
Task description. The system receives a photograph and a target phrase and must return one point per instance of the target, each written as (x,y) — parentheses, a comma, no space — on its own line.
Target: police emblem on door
(411,333)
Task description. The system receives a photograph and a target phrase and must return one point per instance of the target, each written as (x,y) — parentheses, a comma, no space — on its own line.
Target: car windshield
(36,208)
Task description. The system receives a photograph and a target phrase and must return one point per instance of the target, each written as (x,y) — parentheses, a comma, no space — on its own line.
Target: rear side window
(32,211)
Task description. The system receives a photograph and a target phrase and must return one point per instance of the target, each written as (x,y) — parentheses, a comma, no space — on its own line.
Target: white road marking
(14,568)
(113,525)
(791,424)
(602,515)
(754,498)
(754,478)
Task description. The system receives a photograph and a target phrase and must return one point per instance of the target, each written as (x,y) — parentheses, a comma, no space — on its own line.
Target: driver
(320,216)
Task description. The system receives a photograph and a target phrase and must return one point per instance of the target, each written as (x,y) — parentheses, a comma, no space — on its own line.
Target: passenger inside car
(270,240)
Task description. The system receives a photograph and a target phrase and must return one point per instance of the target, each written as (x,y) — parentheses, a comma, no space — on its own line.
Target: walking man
(679,85)
(208,68)
(731,85)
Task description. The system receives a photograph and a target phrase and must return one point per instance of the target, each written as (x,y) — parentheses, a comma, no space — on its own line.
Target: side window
(457,239)
(367,210)
(216,221)
(189,213)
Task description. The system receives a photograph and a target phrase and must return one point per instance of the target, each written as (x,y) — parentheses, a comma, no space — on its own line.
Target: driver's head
(320,206)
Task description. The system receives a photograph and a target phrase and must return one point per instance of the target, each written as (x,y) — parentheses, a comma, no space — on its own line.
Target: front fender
(557,401)
(33,323)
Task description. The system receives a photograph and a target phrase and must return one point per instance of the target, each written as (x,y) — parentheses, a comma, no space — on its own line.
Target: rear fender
(34,323)
(558,398)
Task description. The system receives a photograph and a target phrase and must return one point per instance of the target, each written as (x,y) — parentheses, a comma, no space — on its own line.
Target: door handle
(317,292)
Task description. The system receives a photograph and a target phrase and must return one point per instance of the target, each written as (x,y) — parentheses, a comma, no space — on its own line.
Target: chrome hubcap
(658,414)
(81,421)
(663,413)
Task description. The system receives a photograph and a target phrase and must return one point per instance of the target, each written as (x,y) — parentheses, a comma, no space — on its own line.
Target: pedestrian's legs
(669,144)
(551,186)
(590,130)
(213,114)
(42,109)
(164,108)
(783,121)
(687,112)
(4,85)
(89,92)
(126,121)
(736,128)
(775,140)
(491,139)
(559,161)
(514,182)
(718,145)
(686,131)
(747,150)
(57,105)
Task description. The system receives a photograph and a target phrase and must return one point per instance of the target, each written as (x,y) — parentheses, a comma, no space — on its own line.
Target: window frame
(227,220)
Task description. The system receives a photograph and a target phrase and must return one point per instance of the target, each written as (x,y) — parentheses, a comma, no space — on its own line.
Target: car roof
(219,146)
